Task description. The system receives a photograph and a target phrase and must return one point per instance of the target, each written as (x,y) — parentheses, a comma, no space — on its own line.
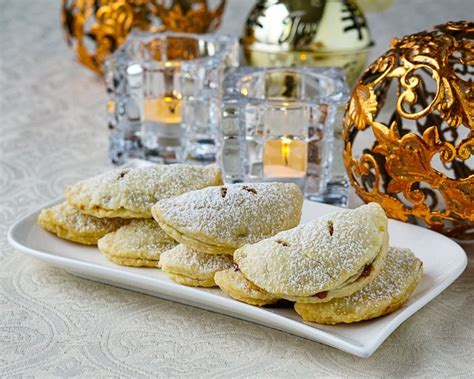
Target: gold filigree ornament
(409,130)
(95,28)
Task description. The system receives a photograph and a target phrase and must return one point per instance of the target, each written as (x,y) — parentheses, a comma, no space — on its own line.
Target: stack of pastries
(243,238)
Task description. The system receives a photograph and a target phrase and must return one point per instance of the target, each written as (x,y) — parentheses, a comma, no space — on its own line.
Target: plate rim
(336,341)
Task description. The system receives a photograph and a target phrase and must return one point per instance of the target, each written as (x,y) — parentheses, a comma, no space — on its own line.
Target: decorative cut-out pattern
(433,120)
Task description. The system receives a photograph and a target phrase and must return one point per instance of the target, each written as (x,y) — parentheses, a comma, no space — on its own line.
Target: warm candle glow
(285,157)
(165,109)
(285,149)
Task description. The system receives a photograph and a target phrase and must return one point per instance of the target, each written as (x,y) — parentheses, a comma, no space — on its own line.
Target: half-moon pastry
(218,220)
(234,284)
(130,192)
(387,293)
(138,244)
(192,268)
(326,258)
(68,223)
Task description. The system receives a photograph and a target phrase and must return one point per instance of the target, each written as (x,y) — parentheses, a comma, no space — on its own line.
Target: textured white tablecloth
(52,132)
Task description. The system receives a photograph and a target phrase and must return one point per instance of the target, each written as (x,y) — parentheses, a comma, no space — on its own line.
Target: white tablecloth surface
(52,132)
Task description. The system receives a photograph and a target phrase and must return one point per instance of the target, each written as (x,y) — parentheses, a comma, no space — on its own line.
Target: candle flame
(165,109)
(172,101)
(285,149)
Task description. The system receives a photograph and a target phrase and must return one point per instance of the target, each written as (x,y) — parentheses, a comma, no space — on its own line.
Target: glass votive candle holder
(277,125)
(166,95)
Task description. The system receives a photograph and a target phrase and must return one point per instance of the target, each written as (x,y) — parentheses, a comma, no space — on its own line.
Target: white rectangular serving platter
(443,260)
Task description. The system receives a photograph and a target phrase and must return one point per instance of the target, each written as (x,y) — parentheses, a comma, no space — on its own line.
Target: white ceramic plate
(443,260)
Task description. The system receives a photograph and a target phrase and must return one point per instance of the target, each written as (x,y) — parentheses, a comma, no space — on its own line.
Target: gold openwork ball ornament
(95,28)
(409,130)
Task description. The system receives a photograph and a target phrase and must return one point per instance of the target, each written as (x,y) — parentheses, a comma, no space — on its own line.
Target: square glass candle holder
(277,125)
(166,95)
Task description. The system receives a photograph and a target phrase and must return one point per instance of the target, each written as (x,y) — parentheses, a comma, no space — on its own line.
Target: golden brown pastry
(218,220)
(130,192)
(387,293)
(234,284)
(68,223)
(192,268)
(329,257)
(138,244)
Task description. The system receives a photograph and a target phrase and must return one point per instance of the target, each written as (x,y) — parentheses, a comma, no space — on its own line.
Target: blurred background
(45,91)
(48,98)
(401,18)
(31,29)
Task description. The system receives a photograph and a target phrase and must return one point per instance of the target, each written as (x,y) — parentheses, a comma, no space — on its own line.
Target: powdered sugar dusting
(137,189)
(139,239)
(71,219)
(195,261)
(233,214)
(399,269)
(313,257)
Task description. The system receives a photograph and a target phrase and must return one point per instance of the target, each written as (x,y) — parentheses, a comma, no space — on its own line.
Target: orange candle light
(285,157)
(165,109)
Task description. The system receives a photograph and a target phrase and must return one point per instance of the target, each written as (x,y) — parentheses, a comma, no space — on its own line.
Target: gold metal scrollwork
(95,28)
(419,166)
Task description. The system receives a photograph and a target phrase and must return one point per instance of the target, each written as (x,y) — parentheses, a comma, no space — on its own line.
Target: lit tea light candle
(285,158)
(162,121)
(165,109)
